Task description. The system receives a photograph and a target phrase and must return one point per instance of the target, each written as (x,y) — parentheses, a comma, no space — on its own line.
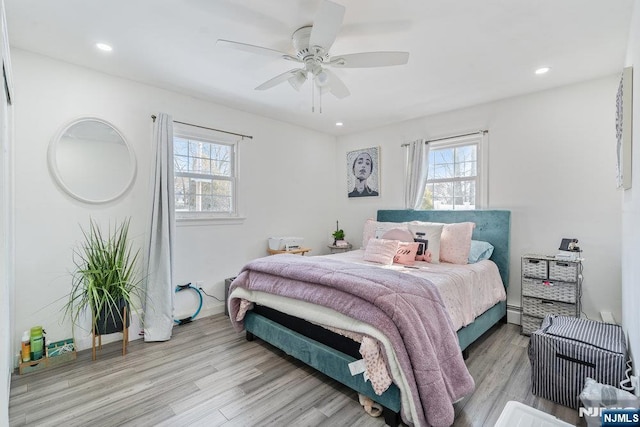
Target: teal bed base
(492,226)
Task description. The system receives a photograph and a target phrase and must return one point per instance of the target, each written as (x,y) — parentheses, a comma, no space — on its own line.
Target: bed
(288,324)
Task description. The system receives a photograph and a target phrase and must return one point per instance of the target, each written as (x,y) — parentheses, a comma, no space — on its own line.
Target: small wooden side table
(300,251)
(335,249)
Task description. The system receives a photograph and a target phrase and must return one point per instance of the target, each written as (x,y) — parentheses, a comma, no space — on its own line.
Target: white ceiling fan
(312,44)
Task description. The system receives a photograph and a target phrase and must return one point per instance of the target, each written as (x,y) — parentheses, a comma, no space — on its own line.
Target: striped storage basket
(566,350)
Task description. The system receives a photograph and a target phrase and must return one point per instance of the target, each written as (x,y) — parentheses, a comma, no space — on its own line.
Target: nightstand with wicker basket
(549,286)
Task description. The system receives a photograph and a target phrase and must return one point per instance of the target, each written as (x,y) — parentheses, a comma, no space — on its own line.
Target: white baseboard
(135,328)
(514,314)
(215,308)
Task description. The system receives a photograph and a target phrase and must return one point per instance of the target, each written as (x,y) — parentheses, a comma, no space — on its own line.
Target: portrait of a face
(363,173)
(362,166)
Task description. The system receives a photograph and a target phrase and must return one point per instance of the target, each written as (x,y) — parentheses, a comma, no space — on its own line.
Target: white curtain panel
(416,173)
(158,308)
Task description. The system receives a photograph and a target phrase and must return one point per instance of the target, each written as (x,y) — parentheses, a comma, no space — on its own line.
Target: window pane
(465,159)
(442,171)
(447,166)
(181,188)
(199,152)
(443,195)
(180,164)
(203,195)
(464,195)
(180,146)
(441,164)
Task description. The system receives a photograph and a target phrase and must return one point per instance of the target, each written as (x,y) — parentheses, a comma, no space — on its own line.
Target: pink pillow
(381,251)
(400,234)
(455,242)
(406,253)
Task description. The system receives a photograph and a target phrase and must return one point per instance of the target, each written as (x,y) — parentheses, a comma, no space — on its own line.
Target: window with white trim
(457,176)
(205,173)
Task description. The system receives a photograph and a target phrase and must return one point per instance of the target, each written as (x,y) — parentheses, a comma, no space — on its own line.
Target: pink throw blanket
(407,309)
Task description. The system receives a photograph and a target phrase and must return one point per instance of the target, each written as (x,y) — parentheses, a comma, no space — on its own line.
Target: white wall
(551,163)
(6,230)
(631,209)
(287,182)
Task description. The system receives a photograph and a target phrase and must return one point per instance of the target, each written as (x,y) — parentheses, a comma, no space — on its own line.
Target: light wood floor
(207,374)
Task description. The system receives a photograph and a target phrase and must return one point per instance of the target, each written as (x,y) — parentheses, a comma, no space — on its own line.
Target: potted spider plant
(105,279)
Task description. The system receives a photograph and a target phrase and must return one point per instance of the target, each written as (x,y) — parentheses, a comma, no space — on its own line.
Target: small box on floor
(567,350)
(57,352)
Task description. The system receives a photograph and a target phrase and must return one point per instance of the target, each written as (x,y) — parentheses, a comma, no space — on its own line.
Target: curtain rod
(153,117)
(482,131)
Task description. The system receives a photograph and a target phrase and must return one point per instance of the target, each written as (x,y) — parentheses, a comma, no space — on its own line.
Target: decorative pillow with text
(406,253)
(431,232)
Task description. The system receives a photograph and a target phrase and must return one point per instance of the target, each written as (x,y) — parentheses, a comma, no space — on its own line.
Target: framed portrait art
(624,114)
(363,172)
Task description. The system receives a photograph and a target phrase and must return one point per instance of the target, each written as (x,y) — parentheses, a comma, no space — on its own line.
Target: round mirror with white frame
(91,160)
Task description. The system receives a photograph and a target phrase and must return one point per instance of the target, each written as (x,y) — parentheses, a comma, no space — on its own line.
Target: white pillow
(432,232)
(374,230)
(401,234)
(381,251)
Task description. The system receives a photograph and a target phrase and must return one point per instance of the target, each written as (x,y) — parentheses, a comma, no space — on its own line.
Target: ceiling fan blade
(326,25)
(297,80)
(256,49)
(336,86)
(369,59)
(281,78)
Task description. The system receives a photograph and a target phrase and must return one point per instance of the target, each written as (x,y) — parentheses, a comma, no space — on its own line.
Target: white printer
(285,243)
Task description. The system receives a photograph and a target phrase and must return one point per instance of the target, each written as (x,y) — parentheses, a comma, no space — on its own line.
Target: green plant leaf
(105,273)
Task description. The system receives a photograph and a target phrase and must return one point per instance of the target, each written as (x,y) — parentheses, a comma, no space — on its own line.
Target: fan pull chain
(313,95)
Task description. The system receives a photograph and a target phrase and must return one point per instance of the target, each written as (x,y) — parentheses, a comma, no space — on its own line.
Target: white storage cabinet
(549,286)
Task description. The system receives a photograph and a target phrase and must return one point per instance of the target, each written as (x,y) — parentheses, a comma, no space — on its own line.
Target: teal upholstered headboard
(492,226)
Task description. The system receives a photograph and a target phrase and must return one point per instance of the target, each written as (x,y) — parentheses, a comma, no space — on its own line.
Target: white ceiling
(462,52)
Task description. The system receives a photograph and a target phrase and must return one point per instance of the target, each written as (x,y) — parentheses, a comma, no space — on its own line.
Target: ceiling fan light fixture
(322,78)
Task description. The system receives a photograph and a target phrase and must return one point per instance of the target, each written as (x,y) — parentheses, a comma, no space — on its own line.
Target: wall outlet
(199,283)
(607,317)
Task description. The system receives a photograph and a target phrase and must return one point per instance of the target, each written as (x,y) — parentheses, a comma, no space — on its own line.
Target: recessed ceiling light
(543,70)
(104,46)
(339,123)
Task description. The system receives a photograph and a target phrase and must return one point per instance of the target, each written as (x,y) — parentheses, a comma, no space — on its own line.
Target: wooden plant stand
(125,337)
